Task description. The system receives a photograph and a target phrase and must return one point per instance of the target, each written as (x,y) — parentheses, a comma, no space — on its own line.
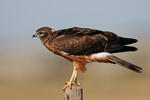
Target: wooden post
(73,92)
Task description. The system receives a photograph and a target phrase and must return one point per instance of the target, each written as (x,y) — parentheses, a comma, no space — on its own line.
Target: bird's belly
(82,58)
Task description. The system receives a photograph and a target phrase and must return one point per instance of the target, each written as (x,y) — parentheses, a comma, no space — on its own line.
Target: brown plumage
(84,45)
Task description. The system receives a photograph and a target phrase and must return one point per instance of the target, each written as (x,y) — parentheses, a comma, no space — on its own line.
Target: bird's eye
(42,35)
(40,32)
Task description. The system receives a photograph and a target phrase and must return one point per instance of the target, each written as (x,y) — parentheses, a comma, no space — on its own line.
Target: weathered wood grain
(73,93)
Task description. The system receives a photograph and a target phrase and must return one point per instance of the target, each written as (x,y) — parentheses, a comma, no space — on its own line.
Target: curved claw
(67,84)
(73,83)
(70,84)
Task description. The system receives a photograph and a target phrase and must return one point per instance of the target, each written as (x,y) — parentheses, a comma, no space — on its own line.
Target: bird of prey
(85,45)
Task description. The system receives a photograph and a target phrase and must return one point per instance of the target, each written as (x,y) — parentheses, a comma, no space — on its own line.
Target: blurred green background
(28,71)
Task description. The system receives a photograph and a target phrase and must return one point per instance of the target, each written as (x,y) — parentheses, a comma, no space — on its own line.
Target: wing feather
(78,45)
(84,41)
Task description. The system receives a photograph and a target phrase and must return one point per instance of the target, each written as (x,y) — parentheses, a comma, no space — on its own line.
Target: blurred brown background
(28,71)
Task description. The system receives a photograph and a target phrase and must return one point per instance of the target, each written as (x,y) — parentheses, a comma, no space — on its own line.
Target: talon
(67,84)
(70,84)
(78,83)
(73,83)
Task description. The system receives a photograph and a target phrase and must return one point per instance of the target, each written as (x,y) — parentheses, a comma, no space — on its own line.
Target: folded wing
(84,41)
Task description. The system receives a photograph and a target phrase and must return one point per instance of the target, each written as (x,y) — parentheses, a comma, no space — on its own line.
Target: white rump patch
(100,55)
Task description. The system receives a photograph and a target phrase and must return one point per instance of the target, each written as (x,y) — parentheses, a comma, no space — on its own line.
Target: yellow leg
(75,78)
(71,79)
(74,81)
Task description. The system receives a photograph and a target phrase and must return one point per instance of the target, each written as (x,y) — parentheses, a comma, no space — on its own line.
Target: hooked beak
(34,35)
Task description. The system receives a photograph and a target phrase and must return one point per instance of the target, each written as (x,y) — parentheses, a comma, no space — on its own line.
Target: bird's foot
(73,83)
(70,84)
(67,84)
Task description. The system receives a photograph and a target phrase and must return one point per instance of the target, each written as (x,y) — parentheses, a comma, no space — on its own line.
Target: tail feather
(125,64)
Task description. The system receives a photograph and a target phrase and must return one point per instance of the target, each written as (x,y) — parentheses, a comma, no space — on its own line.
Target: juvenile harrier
(84,45)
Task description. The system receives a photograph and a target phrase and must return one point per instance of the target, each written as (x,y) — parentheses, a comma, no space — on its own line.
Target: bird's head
(43,32)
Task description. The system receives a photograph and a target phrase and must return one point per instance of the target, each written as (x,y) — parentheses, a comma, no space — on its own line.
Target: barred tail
(125,64)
